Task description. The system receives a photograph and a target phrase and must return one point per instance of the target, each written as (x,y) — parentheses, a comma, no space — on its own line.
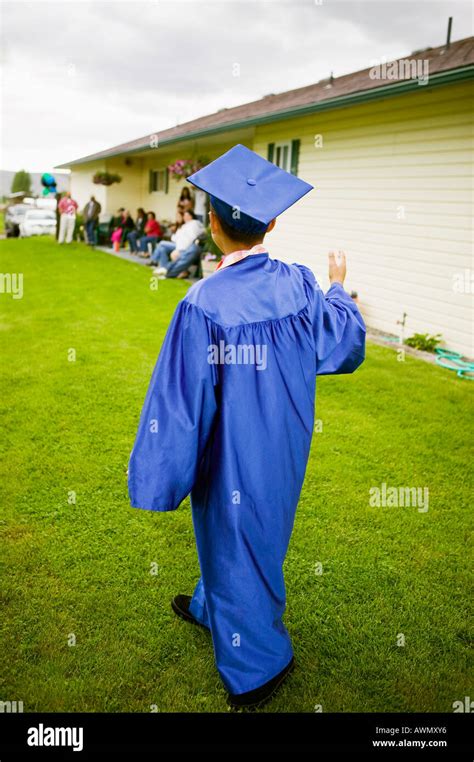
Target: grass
(83,570)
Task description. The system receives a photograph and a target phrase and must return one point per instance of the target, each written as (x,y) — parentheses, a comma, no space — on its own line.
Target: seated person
(176,256)
(116,221)
(127,224)
(116,237)
(152,233)
(139,230)
(121,222)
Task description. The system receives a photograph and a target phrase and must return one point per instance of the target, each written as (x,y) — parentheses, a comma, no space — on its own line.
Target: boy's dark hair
(152,214)
(237,235)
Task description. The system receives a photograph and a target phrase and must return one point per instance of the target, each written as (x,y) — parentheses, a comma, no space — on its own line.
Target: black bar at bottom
(55,736)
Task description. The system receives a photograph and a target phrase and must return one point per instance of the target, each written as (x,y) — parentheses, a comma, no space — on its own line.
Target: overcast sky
(78,77)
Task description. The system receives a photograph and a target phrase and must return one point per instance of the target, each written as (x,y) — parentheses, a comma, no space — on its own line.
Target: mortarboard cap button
(250,181)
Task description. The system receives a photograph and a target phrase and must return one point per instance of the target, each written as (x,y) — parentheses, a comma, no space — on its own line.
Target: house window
(282,155)
(158,180)
(285,155)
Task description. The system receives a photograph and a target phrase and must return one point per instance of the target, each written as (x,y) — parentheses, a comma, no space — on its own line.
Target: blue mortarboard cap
(247,191)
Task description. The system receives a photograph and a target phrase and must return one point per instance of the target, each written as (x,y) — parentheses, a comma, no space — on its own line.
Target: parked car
(38,222)
(13,216)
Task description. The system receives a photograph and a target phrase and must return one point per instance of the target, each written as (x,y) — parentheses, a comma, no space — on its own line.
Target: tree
(21,182)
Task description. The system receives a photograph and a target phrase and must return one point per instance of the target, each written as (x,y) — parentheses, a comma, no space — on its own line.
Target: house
(389,151)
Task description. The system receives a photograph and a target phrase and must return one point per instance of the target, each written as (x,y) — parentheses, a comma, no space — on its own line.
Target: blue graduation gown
(228,417)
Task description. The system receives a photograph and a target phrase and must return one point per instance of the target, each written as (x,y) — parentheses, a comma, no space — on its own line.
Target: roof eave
(343,101)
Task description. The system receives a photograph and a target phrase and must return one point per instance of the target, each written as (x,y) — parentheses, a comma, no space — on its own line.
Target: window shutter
(271,151)
(295,155)
(167,176)
(150,181)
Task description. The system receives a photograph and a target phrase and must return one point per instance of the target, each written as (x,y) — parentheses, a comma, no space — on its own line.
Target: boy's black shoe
(259,696)
(180,605)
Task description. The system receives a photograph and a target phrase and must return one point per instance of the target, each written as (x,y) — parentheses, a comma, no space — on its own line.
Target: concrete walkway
(122,254)
(207,267)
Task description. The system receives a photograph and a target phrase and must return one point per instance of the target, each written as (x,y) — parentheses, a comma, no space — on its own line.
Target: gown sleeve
(338,328)
(177,415)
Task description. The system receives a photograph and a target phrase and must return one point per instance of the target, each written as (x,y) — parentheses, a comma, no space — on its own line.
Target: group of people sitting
(170,258)
(138,233)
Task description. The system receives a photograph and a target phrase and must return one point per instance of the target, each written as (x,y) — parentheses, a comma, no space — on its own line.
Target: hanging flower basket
(183,168)
(106,178)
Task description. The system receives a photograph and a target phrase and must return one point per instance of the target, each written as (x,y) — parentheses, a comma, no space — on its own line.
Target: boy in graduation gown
(229,415)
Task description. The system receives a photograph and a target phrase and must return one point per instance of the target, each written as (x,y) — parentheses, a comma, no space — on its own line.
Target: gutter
(452,76)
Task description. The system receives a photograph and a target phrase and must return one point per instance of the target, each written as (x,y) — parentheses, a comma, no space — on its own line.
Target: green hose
(447,353)
(451,360)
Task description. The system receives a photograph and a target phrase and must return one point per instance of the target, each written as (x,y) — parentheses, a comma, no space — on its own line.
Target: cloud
(80,76)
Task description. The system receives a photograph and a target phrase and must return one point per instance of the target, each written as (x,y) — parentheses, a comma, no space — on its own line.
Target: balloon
(49,183)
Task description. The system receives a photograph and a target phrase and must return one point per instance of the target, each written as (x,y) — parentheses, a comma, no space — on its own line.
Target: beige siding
(127,193)
(393,184)
(82,187)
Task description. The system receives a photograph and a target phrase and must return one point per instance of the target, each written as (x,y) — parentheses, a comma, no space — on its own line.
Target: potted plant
(106,178)
(183,168)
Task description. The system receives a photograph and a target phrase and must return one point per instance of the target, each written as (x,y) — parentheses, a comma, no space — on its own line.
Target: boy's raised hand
(337,267)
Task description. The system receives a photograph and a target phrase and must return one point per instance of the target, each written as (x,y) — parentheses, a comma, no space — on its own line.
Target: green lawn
(84,568)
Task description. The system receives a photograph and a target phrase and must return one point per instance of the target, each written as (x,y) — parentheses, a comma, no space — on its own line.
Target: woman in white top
(176,256)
